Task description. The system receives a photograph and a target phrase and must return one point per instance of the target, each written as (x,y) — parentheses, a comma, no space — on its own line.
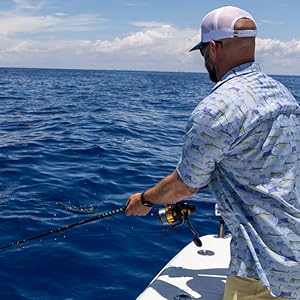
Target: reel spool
(176,214)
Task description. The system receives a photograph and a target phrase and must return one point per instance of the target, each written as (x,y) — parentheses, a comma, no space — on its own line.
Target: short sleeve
(205,144)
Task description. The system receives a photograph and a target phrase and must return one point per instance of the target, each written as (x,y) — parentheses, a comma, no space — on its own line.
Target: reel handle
(196,239)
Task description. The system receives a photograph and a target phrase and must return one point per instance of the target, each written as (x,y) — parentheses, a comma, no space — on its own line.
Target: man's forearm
(170,189)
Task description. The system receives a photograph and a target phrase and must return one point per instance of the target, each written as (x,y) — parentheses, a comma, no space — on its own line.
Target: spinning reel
(176,214)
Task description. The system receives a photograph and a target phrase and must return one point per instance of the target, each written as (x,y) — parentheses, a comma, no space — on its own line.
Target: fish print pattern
(243,140)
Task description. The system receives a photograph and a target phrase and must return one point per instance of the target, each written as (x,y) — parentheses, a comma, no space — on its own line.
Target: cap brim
(197,47)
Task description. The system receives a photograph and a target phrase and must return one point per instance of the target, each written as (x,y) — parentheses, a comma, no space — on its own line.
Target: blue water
(89,139)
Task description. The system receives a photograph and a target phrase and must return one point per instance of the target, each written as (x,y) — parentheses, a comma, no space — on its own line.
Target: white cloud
(61,14)
(279,57)
(271,22)
(25,4)
(18,23)
(131,4)
(151,36)
(26,17)
(153,46)
(148,24)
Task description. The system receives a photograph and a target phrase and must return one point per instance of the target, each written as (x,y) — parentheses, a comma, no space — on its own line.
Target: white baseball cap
(219,24)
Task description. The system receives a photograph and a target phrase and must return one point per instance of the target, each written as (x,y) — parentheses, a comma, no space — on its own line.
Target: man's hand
(135,207)
(169,190)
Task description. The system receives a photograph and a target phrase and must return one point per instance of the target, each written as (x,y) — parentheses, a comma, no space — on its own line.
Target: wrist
(146,202)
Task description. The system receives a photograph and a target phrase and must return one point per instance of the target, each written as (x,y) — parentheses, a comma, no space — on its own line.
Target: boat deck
(194,273)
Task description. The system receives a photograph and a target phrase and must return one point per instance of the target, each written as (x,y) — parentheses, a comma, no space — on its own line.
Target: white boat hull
(194,273)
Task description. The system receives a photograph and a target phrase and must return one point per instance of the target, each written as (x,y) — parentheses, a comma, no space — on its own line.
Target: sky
(152,35)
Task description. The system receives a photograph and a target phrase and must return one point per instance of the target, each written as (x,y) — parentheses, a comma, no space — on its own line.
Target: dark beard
(211,70)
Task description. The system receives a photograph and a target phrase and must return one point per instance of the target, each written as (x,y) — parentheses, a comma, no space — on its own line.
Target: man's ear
(212,50)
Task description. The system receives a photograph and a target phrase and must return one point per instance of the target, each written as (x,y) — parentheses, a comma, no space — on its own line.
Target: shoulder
(219,110)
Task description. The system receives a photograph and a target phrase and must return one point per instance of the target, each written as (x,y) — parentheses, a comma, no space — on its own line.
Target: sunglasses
(206,44)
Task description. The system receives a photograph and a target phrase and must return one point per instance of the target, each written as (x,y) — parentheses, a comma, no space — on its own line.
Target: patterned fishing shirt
(243,140)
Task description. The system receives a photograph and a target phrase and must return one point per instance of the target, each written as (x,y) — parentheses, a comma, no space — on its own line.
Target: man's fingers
(134,206)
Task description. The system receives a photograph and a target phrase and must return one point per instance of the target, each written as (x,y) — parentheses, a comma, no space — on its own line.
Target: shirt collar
(237,71)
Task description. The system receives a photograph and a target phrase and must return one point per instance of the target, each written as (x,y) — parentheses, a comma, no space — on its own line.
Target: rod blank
(66,227)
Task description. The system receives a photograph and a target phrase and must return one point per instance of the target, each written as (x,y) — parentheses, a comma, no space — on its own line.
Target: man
(243,141)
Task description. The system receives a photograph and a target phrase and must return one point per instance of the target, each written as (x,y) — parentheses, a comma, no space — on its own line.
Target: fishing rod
(171,215)
(66,227)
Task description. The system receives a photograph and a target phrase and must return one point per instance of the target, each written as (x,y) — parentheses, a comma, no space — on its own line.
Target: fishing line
(132,230)
(147,232)
(66,227)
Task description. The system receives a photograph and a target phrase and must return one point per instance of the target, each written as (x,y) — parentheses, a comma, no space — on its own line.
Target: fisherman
(243,141)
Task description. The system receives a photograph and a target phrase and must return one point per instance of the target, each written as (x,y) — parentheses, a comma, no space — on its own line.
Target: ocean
(87,139)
